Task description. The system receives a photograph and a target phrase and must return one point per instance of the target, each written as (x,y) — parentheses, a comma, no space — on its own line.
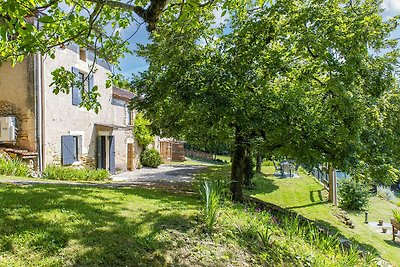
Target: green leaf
(46,19)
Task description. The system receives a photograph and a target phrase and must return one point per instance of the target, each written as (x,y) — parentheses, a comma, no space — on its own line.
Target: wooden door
(111,139)
(131,157)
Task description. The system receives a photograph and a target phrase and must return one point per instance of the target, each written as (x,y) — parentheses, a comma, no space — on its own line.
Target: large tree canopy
(39,26)
(309,77)
(94,24)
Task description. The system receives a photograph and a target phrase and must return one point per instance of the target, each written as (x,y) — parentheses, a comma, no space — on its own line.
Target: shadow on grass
(319,194)
(264,184)
(393,243)
(85,226)
(307,205)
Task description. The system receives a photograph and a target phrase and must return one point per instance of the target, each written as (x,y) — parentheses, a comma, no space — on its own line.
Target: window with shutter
(90,82)
(76,92)
(68,149)
(71,148)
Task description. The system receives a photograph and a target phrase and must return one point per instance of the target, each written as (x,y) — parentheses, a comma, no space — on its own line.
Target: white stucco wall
(63,118)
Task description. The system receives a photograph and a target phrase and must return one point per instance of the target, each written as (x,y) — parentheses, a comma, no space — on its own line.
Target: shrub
(142,130)
(353,194)
(386,193)
(54,172)
(248,170)
(13,167)
(267,163)
(151,158)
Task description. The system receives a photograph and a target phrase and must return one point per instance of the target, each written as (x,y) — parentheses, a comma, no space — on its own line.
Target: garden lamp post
(366,217)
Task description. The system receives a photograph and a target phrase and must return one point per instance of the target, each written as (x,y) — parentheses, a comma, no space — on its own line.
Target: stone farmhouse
(54,127)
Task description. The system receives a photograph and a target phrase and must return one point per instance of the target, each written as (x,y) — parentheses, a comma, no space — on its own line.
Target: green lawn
(307,197)
(59,225)
(47,225)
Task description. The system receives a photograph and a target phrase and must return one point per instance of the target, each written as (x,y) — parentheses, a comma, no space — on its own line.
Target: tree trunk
(248,167)
(332,197)
(259,160)
(237,171)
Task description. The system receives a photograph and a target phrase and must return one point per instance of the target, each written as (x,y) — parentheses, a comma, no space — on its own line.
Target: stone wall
(17,99)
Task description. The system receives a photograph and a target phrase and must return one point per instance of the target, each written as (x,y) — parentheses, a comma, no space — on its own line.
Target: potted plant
(380,222)
(384,230)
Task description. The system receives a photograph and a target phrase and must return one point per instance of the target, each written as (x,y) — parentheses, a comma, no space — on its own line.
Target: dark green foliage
(354,195)
(151,158)
(248,170)
(54,172)
(13,167)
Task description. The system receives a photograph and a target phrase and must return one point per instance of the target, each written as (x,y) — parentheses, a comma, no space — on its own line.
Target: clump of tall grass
(211,193)
(54,172)
(13,167)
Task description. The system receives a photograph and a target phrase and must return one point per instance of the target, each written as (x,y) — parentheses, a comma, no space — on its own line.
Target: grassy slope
(306,196)
(55,225)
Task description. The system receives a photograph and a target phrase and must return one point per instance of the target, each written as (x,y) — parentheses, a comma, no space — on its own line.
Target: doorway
(130,157)
(106,153)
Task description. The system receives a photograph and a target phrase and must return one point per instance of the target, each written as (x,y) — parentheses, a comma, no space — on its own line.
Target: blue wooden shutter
(76,92)
(112,154)
(68,149)
(100,153)
(90,82)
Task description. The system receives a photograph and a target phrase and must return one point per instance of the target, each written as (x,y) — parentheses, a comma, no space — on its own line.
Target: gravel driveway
(165,173)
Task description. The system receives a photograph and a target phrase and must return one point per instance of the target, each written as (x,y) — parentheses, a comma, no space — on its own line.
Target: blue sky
(132,64)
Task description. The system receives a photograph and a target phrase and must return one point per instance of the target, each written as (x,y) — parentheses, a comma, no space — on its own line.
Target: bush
(267,163)
(13,167)
(386,193)
(142,131)
(54,172)
(151,158)
(353,194)
(248,170)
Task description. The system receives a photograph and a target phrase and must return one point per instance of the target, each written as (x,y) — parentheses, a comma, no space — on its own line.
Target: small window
(130,116)
(82,54)
(81,77)
(86,80)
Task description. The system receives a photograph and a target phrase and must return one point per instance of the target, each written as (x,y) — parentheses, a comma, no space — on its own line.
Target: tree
(300,75)
(39,26)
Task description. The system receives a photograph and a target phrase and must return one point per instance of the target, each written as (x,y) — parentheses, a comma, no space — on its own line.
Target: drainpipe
(42,109)
(38,67)
(38,115)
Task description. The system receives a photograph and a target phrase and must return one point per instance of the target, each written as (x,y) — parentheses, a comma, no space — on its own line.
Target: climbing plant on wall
(142,131)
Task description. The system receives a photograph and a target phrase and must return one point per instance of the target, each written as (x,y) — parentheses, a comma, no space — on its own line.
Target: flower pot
(384,230)
(380,222)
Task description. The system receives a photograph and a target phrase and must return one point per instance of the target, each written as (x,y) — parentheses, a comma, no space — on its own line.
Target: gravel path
(176,177)
(164,173)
